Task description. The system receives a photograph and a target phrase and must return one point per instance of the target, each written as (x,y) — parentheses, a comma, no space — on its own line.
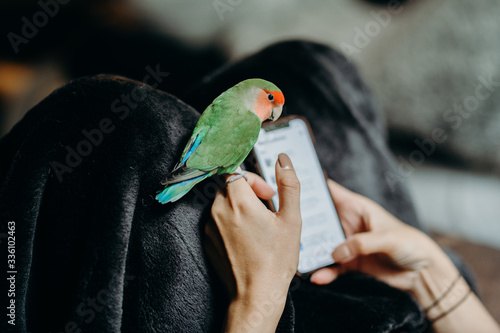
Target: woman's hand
(255,250)
(380,245)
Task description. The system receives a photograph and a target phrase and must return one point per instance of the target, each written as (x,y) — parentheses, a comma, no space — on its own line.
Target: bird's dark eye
(270,97)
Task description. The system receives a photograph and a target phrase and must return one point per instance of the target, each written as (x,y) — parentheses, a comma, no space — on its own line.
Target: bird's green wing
(228,142)
(203,126)
(199,133)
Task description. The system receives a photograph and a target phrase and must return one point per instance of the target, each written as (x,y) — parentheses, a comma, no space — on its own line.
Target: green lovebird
(224,135)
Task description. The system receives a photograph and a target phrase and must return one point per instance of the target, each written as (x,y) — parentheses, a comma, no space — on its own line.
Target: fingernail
(341,253)
(284,161)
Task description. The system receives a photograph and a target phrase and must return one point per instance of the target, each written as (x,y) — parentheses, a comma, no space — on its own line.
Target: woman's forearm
(450,305)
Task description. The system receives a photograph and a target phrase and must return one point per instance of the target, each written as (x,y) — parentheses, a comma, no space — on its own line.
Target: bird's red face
(269,104)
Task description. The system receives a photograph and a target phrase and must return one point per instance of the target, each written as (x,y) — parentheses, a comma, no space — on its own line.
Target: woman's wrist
(256,310)
(439,287)
(447,299)
(435,277)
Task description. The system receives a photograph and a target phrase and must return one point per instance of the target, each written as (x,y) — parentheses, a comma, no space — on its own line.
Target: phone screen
(321,228)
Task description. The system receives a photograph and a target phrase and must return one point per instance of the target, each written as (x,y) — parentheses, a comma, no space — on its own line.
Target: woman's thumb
(288,186)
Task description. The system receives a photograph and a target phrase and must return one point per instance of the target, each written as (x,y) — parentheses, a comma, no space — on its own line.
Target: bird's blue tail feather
(176,191)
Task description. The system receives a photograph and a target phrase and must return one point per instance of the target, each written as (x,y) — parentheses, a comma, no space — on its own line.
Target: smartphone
(321,227)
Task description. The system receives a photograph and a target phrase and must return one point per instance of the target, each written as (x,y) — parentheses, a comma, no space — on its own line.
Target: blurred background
(433,66)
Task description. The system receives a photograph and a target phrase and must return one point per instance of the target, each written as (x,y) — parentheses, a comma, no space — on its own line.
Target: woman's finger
(325,275)
(363,244)
(339,192)
(352,208)
(262,189)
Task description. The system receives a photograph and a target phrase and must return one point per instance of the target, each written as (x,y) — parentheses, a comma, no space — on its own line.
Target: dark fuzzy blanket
(96,253)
